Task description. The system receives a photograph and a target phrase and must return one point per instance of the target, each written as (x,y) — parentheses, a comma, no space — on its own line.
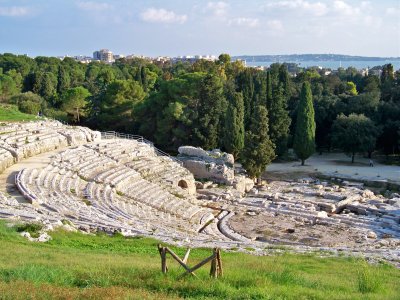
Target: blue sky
(179,27)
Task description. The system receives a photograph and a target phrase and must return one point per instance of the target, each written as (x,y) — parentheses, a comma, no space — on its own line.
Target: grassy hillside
(74,265)
(10,113)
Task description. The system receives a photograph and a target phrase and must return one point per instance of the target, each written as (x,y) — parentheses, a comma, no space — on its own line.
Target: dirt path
(338,164)
(8,176)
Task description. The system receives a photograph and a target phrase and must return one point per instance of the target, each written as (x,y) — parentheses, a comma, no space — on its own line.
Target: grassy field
(10,113)
(77,266)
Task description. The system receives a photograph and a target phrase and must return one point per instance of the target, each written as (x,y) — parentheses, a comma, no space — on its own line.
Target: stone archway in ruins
(183,184)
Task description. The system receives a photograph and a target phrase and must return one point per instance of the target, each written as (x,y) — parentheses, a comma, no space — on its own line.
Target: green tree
(28,102)
(75,100)
(246,86)
(387,73)
(63,80)
(279,121)
(224,58)
(7,87)
(284,79)
(211,111)
(269,90)
(45,85)
(304,137)
(365,103)
(143,77)
(234,124)
(351,88)
(371,84)
(355,133)
(117,103)
(325,113)
(17,78)
(258,151)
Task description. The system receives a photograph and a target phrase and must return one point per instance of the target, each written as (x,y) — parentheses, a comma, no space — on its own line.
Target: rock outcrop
(214,165)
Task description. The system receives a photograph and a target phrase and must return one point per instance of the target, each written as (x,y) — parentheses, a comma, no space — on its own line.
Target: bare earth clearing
(339,165)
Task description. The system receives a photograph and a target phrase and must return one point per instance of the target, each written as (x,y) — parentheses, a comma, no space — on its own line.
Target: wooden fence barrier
(215,258)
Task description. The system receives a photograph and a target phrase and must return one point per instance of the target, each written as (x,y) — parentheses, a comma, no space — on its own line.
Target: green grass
(78,266)
(10,113)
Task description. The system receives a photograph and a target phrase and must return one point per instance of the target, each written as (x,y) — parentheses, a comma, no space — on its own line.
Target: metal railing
(139,138)
(119,135)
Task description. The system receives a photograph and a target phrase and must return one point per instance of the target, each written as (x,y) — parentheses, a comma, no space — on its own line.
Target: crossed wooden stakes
(215,258)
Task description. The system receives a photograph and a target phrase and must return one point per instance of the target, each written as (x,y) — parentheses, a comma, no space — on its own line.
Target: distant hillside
(312,57)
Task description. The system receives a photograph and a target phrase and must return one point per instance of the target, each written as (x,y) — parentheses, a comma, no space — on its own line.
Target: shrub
(32,228)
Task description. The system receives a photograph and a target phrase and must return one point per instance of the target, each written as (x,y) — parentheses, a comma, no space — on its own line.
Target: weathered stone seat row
(84,162)
(96,166)
(143,158)
(228,231)
(123,151)
(23,140)
(56,193)
(113,183)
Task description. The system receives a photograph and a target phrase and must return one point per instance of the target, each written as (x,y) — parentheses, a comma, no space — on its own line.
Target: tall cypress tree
(211,111)
(63,80)
(258,151)
(284,79)
(304,137)
(245,84)
(143,76)
(269,90)
(138,76)
(279,120)
(234,124)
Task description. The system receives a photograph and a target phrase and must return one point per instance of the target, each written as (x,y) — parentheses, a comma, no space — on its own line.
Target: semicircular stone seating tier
(112,183)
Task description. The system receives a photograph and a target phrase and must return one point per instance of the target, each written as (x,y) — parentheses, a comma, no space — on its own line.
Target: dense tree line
(254,114)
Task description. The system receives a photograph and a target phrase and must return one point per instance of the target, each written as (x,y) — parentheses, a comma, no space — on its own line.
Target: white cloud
(14,11)
(218,9)
(316,9)
(93,6)
(366,5)
(394,11)
(154,15)
(246,22)
(342,7)
(275,25)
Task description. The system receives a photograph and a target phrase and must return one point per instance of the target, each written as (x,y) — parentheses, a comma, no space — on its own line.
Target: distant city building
(194,58)
(103,55)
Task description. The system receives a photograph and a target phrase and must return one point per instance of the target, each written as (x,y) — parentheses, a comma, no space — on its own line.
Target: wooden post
(213,269)
(164,260)
(163,254)
(219,261)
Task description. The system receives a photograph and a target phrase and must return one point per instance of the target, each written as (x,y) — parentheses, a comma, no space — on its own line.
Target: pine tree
(234,124)
(304,137)
(279,121)
(258,151)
